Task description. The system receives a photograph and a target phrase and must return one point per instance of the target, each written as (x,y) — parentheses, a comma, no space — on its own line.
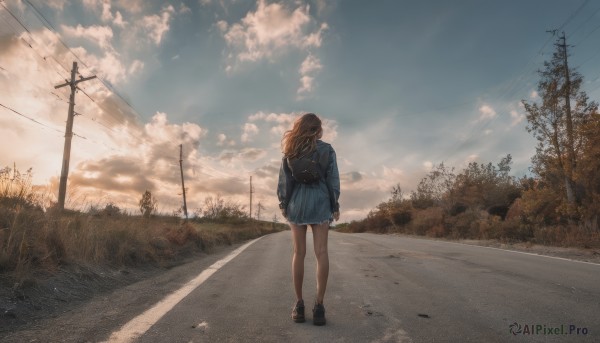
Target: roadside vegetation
(37,239)
(557,204)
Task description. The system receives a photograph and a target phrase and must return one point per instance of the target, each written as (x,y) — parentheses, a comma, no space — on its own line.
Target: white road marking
(522,252)
(140,324)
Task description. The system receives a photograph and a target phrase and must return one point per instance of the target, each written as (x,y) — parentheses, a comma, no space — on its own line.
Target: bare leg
(299,238)
(320,234)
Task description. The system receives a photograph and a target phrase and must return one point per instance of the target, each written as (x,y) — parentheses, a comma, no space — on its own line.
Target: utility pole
(64,174)
(182,184)
(251,191)
(570,140)
(260,207)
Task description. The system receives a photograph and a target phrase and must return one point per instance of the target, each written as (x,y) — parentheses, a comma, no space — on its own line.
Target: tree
(147,204)
(218,208)
(485,187)
(557,125)
(587,173)
(434,187)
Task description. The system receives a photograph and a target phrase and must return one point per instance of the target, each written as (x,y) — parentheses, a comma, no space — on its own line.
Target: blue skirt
(309,204)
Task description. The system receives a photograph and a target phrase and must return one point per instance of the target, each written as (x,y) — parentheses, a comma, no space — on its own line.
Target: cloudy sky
(401,86)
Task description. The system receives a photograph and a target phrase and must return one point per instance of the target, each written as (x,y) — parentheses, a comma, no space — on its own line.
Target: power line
(117,120)
(57,96)
(583,23)
(568,19)
(45,21)
(29,33)
(36,121)
(57,62)
(30,118)
(484,124)
(44,58)
(588,35)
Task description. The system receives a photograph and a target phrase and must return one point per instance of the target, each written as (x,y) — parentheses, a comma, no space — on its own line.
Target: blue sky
(401,85)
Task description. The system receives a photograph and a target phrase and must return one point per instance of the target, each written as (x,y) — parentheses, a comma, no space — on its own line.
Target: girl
(314,204)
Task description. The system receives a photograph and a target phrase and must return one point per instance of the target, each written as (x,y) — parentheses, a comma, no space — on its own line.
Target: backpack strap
(324,164)
(289,183)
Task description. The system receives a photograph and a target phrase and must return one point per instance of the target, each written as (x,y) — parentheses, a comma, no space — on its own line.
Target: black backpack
(306,168)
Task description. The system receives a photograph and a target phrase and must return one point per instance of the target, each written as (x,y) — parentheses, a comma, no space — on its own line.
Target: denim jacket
(310,203)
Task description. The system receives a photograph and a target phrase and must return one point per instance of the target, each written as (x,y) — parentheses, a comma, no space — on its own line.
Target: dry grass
(41,242)
(35,240)
(434,222)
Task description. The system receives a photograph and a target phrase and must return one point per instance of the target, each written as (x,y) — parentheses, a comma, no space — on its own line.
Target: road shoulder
(571,253)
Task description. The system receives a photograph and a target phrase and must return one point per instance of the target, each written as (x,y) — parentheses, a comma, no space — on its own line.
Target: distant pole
(182,184)
(64,174)
(260,207)
(251,191)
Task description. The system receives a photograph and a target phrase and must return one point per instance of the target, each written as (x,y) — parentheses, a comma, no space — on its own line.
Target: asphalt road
(381,289)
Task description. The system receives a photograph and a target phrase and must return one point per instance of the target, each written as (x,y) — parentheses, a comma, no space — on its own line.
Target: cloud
(247,154)
(156,26)
(222,140)
(487,112)
(273,30)
(136,66)
(120,159)
(273,117)
(56,4)
(306,85)
(471,158)
(330,130)
(132,6)
(118,21)
(249,130)
(324,7)
(106,14)
(101,35)
(160,130)
(516,118)
(270,171)
(310,65)
(350,177)
(91,4)
(183,9)
(534,95)
(121,174)
(222,25)
(150,161)
(109,66)
(281,122)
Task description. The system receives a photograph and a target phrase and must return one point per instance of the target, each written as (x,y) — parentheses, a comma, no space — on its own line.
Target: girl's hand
(336,215)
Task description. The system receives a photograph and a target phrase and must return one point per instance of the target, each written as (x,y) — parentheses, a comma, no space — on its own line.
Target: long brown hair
(303,136)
